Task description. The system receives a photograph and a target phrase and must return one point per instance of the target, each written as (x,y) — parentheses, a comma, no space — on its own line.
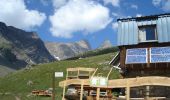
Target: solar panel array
(159,54)
(138,55)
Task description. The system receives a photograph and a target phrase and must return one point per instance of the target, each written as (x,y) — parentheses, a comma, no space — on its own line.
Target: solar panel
(138,55)
(160,54)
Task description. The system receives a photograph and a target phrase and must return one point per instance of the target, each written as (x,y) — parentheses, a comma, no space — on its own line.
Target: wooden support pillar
(78,73)
(109,94)
(53,85)
(127,91)
(148,63)
(64,89)
(147,93)
(81,91)
(98,94)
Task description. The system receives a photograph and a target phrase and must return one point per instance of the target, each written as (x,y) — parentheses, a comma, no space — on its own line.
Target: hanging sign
(59,74)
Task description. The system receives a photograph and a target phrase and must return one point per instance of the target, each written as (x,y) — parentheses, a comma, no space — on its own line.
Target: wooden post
(148,63)
(64,89)
(109,73)
(147,92)
(98,94)
(122,63)
(127,91)
(81,92)
(94,72)
(78,73)
(109,94)
(67,75)
(53,85)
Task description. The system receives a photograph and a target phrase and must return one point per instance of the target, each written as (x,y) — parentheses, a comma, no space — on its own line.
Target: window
(147,33)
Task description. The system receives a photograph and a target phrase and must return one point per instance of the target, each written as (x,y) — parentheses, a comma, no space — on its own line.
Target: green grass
(15,85)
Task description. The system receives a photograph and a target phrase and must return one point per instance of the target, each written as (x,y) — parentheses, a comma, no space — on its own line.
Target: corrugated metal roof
(146,22)
(144,17)
(128,30)
(127,33)
(163,29)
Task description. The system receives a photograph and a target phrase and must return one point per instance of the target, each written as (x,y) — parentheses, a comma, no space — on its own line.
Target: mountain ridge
(19,48)
(67,50)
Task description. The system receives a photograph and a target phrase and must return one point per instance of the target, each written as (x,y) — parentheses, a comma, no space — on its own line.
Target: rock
(67,50)
(105,44)
(19,48)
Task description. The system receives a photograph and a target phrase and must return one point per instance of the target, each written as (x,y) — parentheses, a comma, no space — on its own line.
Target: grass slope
(15,87)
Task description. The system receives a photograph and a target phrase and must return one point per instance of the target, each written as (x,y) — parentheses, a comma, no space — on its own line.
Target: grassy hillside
(15,86)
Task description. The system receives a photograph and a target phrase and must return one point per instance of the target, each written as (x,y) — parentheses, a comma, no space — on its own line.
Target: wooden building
(143,60)
(144,44)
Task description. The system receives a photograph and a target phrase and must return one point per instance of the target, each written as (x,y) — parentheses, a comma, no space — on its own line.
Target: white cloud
(115,3)
(114,26)
(156,2)
(79,16)
(128,17)
(138,15)
(45,2)
(59,3)
(15,13)
(166,6)
(163,4)
(115,14)
(134,6)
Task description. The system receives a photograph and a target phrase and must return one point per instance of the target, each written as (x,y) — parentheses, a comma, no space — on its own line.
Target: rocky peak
(67,50)
(84,44)
(106,44)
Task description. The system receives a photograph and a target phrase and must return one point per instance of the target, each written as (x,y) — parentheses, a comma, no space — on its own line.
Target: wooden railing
(122,83)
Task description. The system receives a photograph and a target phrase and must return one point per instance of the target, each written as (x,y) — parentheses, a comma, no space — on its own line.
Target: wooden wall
(149,69)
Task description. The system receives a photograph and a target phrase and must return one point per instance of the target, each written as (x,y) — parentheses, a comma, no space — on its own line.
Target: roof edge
(143,17)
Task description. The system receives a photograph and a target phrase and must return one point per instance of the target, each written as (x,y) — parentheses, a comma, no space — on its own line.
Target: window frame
(156,33)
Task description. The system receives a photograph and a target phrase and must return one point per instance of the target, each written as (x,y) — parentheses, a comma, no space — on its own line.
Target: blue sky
(74,20)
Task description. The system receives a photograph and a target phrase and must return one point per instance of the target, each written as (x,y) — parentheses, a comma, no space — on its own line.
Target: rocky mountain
(105,44)
(19,48)
(66,50)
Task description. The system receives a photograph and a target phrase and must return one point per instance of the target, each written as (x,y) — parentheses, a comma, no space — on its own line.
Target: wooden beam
(64,89)
(81,92)
(140,81)
(127,90)
(98,94)
(94,72)
(109,73)
(121,83)
(81,69)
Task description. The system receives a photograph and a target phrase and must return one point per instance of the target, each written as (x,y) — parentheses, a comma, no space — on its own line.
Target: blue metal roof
(127,33)
(128,29)
(163,29)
